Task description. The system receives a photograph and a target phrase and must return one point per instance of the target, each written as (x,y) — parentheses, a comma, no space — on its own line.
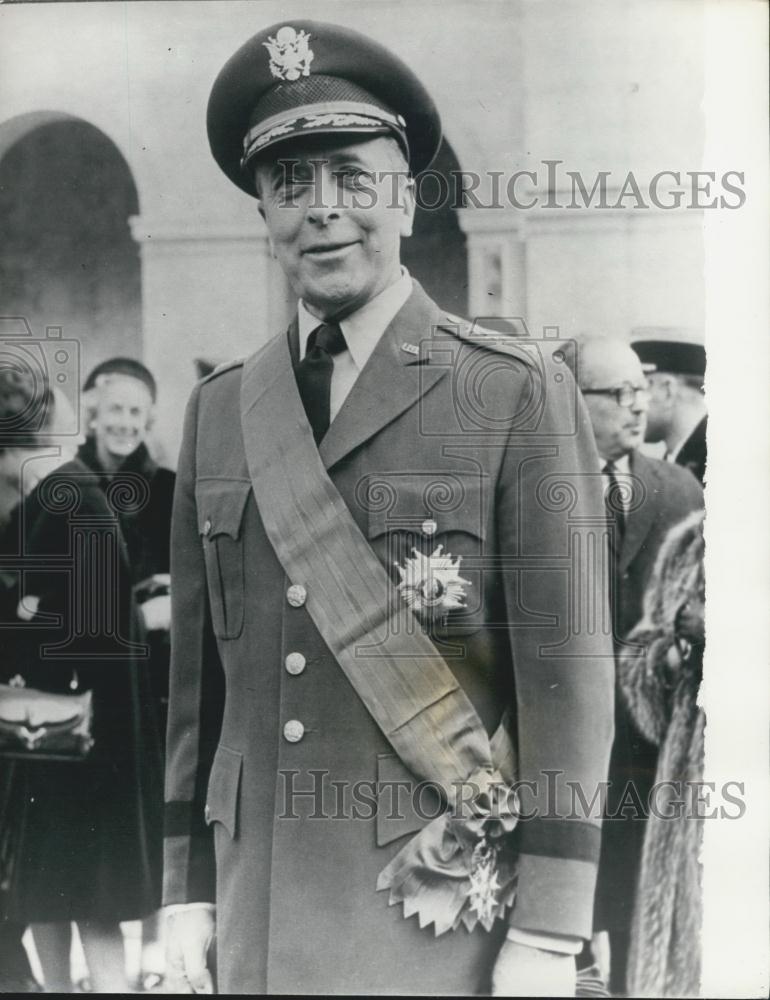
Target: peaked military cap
(675,356)
(309,78)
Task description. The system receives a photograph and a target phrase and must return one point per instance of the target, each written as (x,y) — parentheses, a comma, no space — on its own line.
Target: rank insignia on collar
(290,54)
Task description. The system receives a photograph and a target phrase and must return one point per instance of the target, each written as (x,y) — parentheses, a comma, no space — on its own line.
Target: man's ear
(408,206)
(671,388)
(261,211)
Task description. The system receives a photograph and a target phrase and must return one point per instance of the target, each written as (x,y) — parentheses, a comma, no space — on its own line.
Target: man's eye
(291,182)
(353,176)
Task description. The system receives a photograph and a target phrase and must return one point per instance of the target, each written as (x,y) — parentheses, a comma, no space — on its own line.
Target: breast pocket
(429,530)
(221,506)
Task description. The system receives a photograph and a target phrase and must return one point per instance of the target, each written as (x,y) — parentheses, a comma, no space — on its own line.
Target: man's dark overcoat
(692,454)
(449,445)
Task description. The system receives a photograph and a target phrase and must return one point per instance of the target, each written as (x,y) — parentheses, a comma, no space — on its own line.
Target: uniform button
(296,595)
(293,731)
(429,527)
(207,813)
(207,526)
(295,663)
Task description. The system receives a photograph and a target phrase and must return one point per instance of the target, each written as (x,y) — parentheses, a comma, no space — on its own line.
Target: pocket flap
(428,504)
(224,784)
(221,503)
(404,803)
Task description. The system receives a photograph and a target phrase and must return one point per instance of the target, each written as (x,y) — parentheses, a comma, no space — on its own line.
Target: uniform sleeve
(551,524)
(195,695)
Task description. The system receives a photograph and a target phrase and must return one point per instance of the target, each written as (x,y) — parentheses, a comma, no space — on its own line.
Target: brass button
(295,663)
(207,813)
(207,526)
(429,527)
(293,731)
(296,595)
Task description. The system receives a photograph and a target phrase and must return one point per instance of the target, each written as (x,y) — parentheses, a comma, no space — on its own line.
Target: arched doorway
(435,254)
(67,258)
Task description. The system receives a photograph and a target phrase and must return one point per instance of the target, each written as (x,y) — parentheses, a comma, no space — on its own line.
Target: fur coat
(659,678)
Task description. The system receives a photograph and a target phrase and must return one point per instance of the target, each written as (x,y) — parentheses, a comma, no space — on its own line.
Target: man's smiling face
(336,211)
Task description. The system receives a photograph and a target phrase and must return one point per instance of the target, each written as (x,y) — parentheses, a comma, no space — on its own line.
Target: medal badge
(484,882)
(290,53)
(431,586)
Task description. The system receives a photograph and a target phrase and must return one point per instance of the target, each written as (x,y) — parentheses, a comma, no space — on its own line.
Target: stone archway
(435,253)
(67,257)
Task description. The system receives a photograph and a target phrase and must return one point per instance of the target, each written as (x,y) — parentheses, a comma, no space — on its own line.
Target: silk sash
(397,672)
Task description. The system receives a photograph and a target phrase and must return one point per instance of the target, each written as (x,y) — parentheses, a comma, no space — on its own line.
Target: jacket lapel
(392,380)
(641,520)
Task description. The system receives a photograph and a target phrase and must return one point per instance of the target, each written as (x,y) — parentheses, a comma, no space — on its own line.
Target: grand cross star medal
(484,883)
(431,585)
(290,54)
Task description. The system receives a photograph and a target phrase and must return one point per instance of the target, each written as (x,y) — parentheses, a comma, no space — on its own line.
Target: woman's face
(122,418)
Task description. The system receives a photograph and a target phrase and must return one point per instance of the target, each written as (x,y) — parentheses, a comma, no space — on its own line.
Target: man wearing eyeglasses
(644,497)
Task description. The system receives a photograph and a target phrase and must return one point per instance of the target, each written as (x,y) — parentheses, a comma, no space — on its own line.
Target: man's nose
(325,203)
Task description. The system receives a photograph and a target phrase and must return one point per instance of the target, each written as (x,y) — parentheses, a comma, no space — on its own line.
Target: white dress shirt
(622,469)
(362,331)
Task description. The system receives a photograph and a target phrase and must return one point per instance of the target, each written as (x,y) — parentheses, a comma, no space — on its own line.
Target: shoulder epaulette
(224,367)
(493,340)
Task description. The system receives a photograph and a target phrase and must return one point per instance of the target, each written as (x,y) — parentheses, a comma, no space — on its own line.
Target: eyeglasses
(624,395)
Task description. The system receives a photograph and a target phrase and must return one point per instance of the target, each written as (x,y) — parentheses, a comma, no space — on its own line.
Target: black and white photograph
(384,477)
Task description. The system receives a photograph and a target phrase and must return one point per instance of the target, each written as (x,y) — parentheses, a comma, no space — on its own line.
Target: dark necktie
(615,510)
(314,375)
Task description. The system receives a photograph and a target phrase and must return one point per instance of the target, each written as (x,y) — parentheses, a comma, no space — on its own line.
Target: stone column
(209,291)
(496,263)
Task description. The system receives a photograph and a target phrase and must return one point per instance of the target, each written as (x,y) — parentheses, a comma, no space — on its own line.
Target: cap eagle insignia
(290,53)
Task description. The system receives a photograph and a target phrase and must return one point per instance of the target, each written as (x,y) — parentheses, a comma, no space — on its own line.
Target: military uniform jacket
(284,799)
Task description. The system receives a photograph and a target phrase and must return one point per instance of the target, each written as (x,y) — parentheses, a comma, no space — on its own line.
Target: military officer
(677,407)
(374,656)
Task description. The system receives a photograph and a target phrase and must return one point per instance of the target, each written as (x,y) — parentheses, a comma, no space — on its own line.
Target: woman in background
(120,396)
(660,675)
(88,839)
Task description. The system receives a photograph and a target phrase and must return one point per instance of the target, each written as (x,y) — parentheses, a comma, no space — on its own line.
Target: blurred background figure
(85,834)
(659,677)
(17,393)
(677,407)
(645,497)
(120,396)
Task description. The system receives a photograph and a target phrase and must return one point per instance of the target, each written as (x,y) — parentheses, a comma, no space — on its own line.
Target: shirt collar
(671,453)
(363,328)
(622,464)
